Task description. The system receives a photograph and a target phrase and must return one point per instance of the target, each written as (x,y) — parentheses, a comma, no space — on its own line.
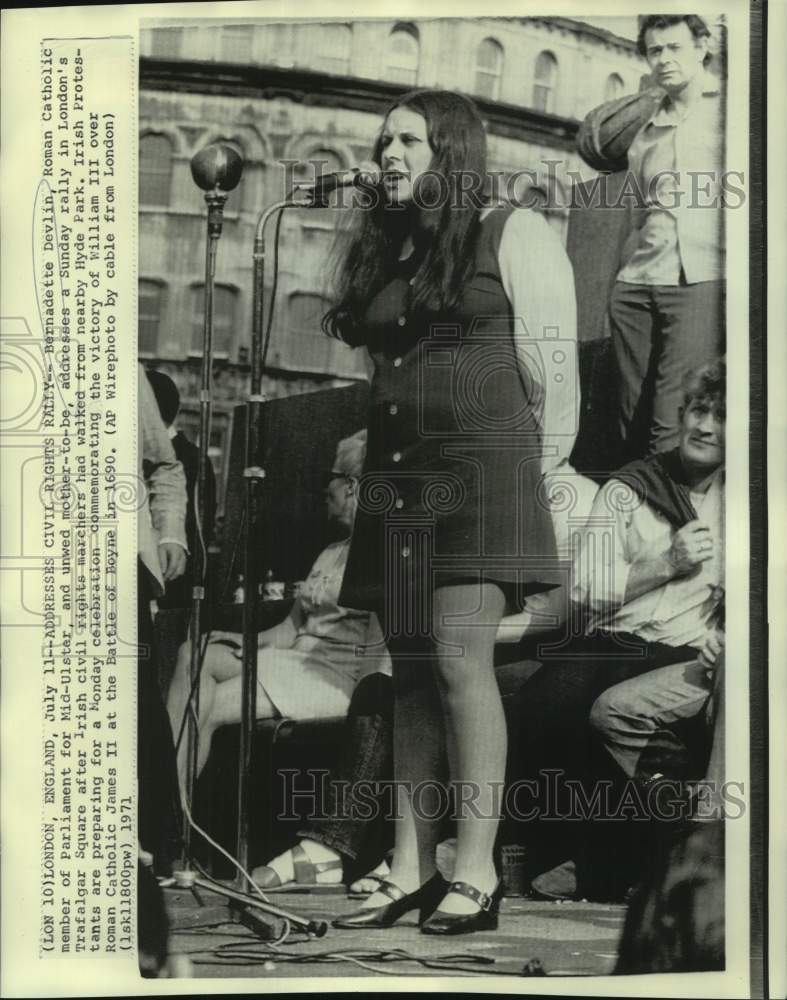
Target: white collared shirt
(623,530)
(676,161)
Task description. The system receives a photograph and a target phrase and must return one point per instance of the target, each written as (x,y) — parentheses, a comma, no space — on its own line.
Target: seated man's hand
(691,545)
(711,650)
(172,559)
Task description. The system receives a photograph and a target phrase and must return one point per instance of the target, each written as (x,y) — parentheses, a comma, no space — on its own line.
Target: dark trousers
(551,745)
(353,821)
(160,817)
(659,332)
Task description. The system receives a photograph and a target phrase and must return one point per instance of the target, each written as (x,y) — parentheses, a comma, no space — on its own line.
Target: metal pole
(216,169)
(253,475)
(215,200)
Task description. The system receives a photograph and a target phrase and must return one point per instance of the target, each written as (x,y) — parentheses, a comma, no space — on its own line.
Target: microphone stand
(217,170)
(253,475)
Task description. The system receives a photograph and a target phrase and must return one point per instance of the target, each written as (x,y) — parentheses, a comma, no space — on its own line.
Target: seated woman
(351,833)
(308,665)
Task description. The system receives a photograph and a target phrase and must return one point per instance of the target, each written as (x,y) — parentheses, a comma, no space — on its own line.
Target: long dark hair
(444,234)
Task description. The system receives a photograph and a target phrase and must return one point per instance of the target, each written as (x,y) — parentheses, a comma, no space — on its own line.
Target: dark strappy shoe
(484,919)
(424,899)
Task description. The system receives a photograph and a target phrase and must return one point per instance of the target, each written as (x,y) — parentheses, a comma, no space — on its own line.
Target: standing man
(667,305)
(178,594)
(162,553)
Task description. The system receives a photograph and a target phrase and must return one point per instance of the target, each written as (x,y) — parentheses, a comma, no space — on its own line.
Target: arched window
(166,43)
(335,48)
(401,63)
(545,82)
(323,160)
(155,170)
(613,88)
(225,307)
(150,310)
(489,69)
(236,42)
(304,345)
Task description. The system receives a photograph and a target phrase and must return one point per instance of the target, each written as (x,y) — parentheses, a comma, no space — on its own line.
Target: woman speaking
(454,301)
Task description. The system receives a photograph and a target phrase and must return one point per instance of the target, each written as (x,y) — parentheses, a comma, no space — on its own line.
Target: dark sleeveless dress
(449,492)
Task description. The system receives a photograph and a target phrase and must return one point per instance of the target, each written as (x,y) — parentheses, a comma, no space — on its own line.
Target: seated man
(648,574)
(308,665)
(633,719)
(635,716)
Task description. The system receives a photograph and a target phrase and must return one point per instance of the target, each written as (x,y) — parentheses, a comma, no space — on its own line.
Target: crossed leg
(220,691)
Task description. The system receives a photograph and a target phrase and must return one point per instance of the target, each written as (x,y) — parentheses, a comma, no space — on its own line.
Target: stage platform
(555,938)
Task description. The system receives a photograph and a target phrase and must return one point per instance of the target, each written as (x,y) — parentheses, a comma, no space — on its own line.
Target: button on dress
(449,491)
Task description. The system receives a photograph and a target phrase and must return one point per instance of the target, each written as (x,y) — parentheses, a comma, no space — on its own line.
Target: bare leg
(461,713)
(221,667)
(467,616)
(224,709)
(419,764)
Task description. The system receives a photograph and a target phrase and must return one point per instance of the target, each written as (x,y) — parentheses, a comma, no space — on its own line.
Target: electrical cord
(189,708)
(205,638)
(234,955)
(274,286)
(257,891)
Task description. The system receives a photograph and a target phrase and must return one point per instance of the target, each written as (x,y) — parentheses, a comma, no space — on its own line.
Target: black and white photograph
(453,345)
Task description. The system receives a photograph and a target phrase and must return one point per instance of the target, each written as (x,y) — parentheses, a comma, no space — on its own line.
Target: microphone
(216,169)
(365,173)
(217,166)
